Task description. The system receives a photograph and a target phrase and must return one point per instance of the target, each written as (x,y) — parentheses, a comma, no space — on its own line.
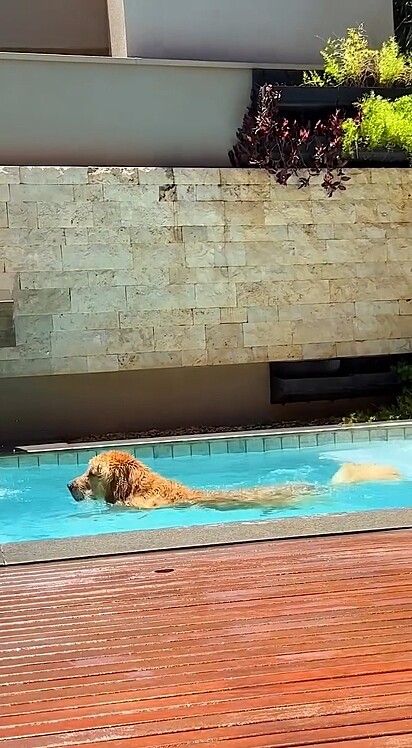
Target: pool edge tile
(290,442)
(200,449)
(219,447)
(181,450)
(48,458)
(9,462)
(28,460)
(236,446)
(162,451)
(361,435)
(378,435)
(255,444)
(272,443)
(344,437)
(143,453)
(68,458)
(325,438)
(396,433)
(307,440)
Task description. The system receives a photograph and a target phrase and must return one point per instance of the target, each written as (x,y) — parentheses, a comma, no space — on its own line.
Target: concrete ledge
(147,62)
(207,535)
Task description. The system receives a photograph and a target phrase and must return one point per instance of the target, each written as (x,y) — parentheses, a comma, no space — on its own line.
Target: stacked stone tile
(126,268)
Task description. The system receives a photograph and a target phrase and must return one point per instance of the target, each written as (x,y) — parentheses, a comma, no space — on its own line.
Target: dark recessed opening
(335,379)
(7,332)
(163,571)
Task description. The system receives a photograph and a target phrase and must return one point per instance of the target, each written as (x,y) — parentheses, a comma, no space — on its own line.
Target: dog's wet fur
(119,478)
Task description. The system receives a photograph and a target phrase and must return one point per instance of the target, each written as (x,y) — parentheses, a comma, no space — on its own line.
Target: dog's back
(364,473)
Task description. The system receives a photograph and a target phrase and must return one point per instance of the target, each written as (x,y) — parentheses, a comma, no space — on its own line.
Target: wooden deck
(289,643)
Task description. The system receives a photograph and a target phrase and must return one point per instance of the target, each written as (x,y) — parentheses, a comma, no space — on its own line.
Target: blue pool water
(35,503)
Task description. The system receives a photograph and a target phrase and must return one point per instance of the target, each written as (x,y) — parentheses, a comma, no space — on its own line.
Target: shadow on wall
(70,407)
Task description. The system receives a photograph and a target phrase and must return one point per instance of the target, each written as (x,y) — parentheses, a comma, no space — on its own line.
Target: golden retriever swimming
(118,478)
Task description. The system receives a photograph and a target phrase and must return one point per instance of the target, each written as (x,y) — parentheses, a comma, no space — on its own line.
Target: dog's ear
(119,485)
(121,475)
(124,478)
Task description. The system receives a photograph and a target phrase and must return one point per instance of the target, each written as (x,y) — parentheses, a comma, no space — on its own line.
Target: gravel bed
(159,433)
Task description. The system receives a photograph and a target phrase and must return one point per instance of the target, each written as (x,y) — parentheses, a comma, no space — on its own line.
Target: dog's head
(110,476)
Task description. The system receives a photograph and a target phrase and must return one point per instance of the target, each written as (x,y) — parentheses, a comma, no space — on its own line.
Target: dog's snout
(75,493)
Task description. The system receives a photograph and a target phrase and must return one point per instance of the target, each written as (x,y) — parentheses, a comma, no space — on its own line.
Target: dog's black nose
(75,494)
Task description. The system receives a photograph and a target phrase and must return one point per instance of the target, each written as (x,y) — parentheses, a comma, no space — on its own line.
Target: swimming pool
(35,504)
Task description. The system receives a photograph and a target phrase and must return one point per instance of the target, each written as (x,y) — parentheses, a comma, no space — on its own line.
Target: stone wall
(124,268)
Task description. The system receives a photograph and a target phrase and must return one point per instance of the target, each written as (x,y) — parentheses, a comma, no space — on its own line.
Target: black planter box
(321,97)
(349,95)
(333,388)
(312,97)
(336,379)
(395,158)
(308,97)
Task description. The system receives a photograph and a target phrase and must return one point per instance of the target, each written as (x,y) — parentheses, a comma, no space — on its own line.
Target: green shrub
(381,124)
(393,68)
(349,61)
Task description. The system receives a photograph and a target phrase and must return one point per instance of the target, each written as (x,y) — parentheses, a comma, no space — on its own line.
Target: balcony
(151,82)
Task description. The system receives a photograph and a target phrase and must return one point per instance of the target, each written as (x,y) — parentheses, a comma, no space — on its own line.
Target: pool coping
(179,538)
(216,436)
(143,541)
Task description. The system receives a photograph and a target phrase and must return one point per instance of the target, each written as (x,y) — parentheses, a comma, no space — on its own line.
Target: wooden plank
(395,740)
(36,711)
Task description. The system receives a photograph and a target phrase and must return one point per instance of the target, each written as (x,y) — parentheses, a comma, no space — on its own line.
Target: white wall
(281,31)
(118,112)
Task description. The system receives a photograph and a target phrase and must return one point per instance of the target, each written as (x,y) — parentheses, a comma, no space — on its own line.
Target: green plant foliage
(349,61)
(392,66)
(313,78)
(332,62)
(381,125)
(401,408)
(356,61)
